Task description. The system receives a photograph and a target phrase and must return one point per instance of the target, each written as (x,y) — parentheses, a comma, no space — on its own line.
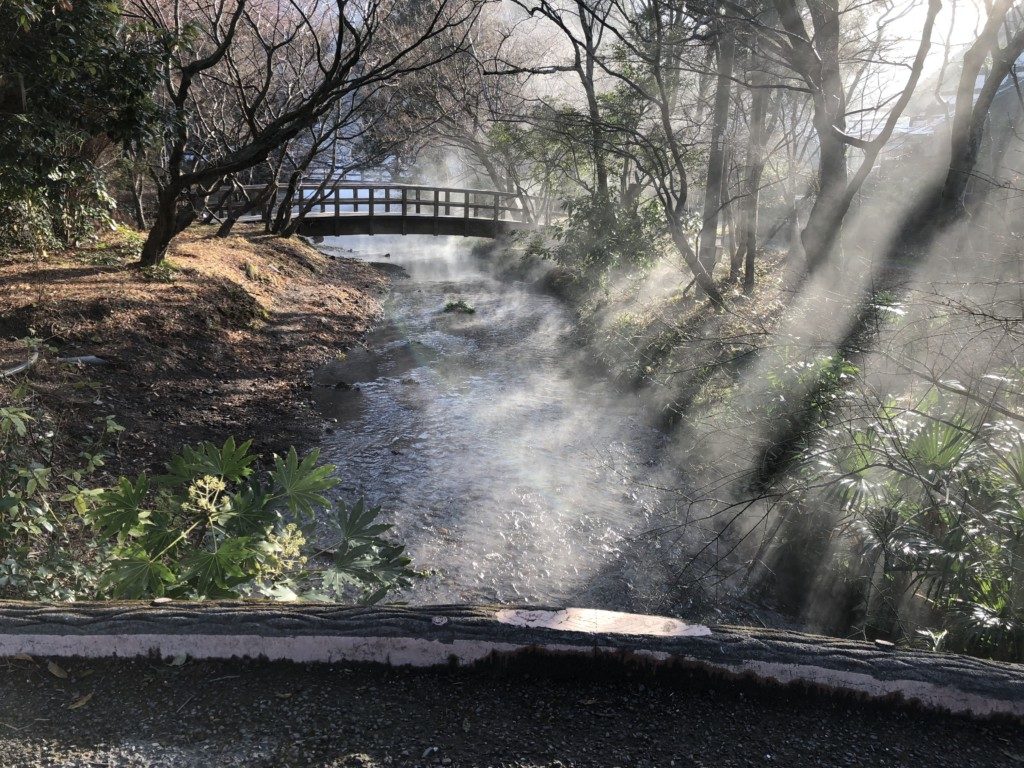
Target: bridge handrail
(396,199)
(388,185)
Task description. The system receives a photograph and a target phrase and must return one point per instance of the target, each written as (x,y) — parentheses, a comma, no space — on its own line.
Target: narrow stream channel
(508,475)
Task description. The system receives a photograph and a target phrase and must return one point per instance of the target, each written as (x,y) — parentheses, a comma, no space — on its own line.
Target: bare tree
(276,68)
(582,24)
(816,59)
(989,60)
(716,177)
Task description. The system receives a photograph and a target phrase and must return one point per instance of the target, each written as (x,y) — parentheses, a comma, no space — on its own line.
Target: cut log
(441,635)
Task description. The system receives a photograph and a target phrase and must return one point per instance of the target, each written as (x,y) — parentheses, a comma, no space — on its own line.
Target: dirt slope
(221,342)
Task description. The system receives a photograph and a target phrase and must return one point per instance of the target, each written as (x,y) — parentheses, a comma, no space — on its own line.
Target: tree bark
(703,279)
(755,168)
(169,219)
(137,208)
(707,254)
(586,70)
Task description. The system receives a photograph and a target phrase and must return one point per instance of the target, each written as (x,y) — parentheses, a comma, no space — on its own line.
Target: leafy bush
(597,237)
(932,503)
(46,552)
(213,528)
(90,71)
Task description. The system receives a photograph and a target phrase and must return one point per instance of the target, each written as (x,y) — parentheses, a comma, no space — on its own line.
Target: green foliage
(120,246)
(361,557)
(213,525)
(822,382)
(89,77)
(460,306)
(599,236)
(212,528)
(44,552)
(932,498)
(164,272)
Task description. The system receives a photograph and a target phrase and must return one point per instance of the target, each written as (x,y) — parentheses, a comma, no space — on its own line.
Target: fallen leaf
(56,670)
(80,702)
(22,657)
(283,695)
(178,660)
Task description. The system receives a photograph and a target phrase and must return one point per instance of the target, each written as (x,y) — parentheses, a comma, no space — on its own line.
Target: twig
(186,701)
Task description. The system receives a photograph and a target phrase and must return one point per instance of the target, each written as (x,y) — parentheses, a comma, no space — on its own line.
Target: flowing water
(509,476)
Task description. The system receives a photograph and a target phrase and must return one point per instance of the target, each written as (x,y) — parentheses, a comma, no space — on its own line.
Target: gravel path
(213,714)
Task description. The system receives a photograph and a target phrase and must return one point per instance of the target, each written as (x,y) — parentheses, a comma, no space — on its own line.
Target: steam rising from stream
(509,475)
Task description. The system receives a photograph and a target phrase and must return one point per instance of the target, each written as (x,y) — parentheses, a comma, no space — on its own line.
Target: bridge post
(387,200)
(418,193)
(405,205)
(465,214)
(437,211)
(447,201)
(497,211)
(369,193)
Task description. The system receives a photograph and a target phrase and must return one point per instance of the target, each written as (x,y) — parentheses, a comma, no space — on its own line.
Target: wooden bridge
(362,208)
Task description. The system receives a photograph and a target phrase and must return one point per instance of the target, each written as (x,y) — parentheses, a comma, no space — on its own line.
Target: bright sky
(957,23)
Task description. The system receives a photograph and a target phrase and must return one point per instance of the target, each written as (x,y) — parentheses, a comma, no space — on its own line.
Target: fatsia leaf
(301,483)
(119,509)
(250,511)
(231,462)
(212,573)
(356,523)
(137,576)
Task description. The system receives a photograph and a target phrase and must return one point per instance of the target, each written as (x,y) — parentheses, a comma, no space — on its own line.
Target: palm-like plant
(932,500)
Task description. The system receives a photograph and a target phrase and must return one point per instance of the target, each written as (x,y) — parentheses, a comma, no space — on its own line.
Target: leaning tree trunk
(822,228)
(284,210)
(255,203)
(169,219)
(704,281)
(707,254)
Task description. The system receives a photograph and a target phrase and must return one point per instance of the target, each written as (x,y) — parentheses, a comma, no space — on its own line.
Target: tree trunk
(232,217)
(731,237)
(703,279)
(137,208)
(755,168)
(168,220)
(816,57)
(708,249)
(284,210)
(822,229)
(586,70)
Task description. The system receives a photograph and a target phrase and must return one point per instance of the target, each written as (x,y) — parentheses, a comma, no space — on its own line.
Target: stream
(509,476)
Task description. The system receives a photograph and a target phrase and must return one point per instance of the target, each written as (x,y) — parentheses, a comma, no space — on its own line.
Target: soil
(222,342)
(151,713)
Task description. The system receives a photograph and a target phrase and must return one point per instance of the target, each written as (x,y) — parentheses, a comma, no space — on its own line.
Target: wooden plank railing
(372,199)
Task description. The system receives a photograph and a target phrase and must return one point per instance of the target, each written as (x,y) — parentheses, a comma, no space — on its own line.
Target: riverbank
(220,340)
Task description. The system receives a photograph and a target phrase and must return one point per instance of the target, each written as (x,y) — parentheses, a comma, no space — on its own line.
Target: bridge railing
(408,200)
